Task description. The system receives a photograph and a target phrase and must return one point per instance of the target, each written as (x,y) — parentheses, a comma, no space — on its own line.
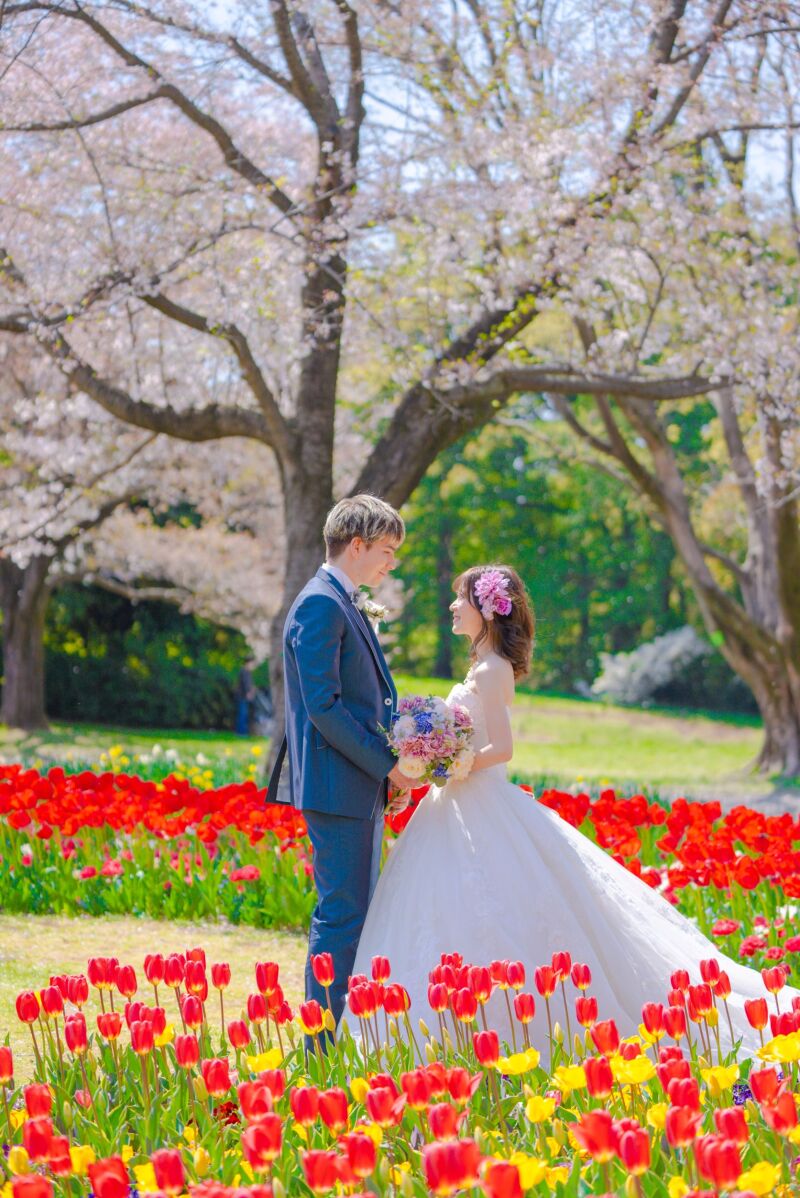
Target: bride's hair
(511,635)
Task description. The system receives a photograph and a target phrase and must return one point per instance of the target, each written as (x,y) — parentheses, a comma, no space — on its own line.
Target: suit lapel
(359,621)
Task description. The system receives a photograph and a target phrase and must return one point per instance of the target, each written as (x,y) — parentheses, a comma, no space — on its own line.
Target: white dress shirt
(341,577)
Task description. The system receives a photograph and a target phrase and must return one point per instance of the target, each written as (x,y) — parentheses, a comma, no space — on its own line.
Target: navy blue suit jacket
(338,691)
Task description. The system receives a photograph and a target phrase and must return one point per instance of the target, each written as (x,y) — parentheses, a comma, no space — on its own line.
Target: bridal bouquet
(432,739)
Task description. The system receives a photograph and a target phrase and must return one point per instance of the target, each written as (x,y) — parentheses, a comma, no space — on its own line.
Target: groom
(338,691)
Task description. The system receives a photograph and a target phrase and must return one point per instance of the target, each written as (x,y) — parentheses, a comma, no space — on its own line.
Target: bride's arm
(491,679)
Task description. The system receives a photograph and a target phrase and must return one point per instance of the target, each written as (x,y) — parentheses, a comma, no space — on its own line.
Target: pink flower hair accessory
(491,591)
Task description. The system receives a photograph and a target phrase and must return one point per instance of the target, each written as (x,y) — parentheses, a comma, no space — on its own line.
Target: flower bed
(149,1084)
(115,843)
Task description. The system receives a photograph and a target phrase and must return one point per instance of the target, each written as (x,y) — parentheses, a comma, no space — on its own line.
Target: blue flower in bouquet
(423,722)
(432,740)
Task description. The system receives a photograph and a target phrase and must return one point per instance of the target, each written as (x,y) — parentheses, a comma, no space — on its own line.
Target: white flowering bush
(634,677)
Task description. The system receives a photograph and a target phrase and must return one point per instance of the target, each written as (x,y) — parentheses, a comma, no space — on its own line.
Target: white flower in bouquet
(462,764)
(404,727)
(412,767)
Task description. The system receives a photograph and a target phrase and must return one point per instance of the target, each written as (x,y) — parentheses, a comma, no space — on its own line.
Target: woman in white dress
(484,870)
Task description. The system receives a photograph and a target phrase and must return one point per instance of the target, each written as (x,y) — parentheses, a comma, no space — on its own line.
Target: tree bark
(23,595)
(443,666)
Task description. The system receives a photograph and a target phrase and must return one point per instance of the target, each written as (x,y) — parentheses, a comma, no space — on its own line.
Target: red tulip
(238,1033)
(465,1005)
(605,1036)
(381,969)
(653,1018)
(416,1085)
(480,983)
(322,968)
(174,970)
(333,1108)
(384,1107)
(444,1121)
(36,1137)
(38,1100)
(78,990)
(275,1081)
(487,1048)
(709,970)
(83,1098)
(195,978)
(109,1178)
(154,968)
(634,1150)
(562,965)
(722,986)
(701,1000)
(311,1017)
(684,1091)
(765,1084)
(75,1033)
(679,980)
(586,1010)
(267,976)
(774,978)
(192,1011)
(304,1101)
(255,1100)
(545,980)
(187,1051)
(51,1000)
(581,976)
(396,1000)
(261,1142)
(6,1065)
(501,1180)
(58,1157)
(450,1165)
(101,971)
(168,1167)
(196,954)
(524,1007)
(719,1160)
(756,1011)
(461,1085)
(361,1153)
(321,1169)
(31,1186)
(256,1008)
(781,1114)
(596,1134)
(498,971)
(125,980)
(27,1006)
(221,976)
(438,998)
(216,1075)
(142,1037)
(599,1078)
(675,1022)
(731,1123)
(682,1125)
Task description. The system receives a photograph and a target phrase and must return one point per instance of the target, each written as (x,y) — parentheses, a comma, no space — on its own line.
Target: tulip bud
(430,1052)
(278,1188)
(423,1027)
(578,1045)
(67,1117)
(559,1133)
(384,1170)
(394,1031)
(558,1033)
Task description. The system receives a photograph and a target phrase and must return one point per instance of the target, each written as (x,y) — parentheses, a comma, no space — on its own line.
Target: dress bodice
(466,694)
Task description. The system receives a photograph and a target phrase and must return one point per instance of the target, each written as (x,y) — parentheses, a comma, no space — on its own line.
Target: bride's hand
(399,780)
(398,801)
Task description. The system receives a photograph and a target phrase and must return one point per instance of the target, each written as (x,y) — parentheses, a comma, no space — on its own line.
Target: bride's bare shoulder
(496,673)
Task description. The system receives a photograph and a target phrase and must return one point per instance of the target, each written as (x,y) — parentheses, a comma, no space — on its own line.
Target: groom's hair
(363,516)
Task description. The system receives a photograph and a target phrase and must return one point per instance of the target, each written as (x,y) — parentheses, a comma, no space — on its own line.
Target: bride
(485,871)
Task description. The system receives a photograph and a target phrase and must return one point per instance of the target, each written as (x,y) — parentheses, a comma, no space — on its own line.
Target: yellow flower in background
(633,1072)
(519,1062)
(372,1130)
(556,1175)
(81,1157)
(166,1037)
(248,1168)
(145,1178)
(761,1178)
(531,1169)
(17,1118)
(539,1108)
(677,1187)
(202,1161)
(569,1077)
(18,1160)
(190,1133)
(657,1115)
(328,1021)
(126,1152)
(720,1078)
(7,1190)
(359,1088)
(271,1059)
(781,1048)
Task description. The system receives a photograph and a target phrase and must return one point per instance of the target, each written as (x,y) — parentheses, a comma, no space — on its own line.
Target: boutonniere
(375,611)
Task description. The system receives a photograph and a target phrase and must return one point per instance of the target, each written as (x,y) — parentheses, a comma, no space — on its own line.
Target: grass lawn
(559,741)
(34,947)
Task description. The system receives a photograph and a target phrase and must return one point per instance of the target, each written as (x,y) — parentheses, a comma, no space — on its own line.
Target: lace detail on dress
(466,694)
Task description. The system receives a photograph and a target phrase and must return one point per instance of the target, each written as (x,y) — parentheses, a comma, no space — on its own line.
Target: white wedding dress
(484,870)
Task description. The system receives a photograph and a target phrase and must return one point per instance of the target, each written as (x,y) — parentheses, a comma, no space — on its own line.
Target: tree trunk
(24,594)
(443,666)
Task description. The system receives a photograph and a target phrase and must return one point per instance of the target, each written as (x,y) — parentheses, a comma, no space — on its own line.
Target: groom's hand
(398,801)
(400,781)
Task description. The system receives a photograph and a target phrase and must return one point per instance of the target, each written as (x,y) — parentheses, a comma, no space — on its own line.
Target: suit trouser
(346,860)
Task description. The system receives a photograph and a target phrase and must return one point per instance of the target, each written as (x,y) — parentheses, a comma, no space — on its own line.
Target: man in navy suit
(339,693)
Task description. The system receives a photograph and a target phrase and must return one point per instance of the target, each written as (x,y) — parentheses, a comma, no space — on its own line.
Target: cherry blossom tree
(83,499)
(294,223)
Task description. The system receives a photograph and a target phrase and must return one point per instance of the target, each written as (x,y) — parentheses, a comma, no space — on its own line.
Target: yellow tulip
(145,1179)
(761,1178)
(633,1072)
(720,1078)
(657,1116)
(556,1175)
(359,1088)
(17,1118)
(18,1160)
(531,1170)
(781,1048)
(271,1059)
(519,1062)
(569,1077)
(81,1157)
(677,1187)
(166,1037)
(372,1130)
(539,1108)
(202,1161)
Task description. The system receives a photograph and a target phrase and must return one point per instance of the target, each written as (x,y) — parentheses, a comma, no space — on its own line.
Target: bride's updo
(507,619)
